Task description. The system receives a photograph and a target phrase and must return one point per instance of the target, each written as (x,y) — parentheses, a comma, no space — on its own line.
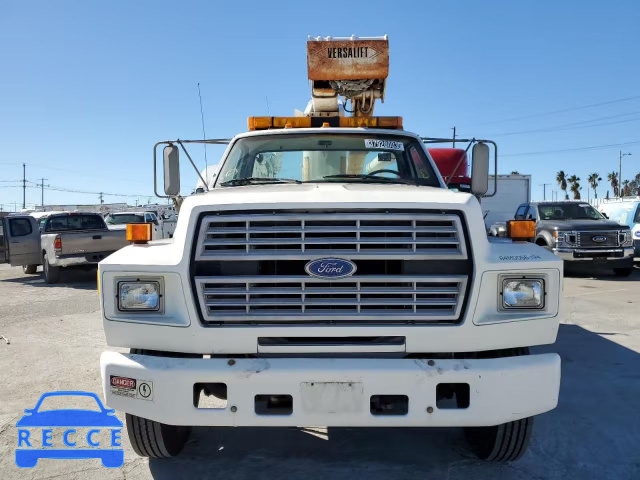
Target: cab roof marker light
(265,123)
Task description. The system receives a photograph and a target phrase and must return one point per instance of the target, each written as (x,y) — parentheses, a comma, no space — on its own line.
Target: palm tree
(575,186)
(594,178)
(613,180)
(561,178)
(625,188)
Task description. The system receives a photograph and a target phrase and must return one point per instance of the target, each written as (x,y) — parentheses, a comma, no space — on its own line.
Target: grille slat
(362,236)
(309,299)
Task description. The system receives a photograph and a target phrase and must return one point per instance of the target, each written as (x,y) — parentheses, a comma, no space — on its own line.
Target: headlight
(625,238)
(522,293)
(569,238)
(138,296)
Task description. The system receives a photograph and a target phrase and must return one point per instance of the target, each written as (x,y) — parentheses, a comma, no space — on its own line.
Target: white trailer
(513,189)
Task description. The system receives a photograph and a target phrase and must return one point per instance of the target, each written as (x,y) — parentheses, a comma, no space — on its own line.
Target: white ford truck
(329,278)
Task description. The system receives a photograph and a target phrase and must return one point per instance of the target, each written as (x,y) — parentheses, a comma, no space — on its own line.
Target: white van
(625,212)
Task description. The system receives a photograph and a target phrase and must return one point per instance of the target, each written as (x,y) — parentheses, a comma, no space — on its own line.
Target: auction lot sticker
(131,388)
(386,144)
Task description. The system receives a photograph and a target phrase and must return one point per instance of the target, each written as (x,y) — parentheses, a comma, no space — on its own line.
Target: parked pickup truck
(62,240)
(577,232)
(162,227)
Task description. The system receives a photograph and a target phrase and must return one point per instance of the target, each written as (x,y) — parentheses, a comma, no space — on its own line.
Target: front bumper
(79,259)
(501,389)
(592,254)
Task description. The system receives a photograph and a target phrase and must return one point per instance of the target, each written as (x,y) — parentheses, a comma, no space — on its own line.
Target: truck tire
(51,274)
(623,272)
(154,439)
(506,442)
(501,443)
(29,269)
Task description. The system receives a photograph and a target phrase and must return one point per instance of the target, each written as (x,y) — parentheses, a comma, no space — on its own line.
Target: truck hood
(591,225)
(327,193)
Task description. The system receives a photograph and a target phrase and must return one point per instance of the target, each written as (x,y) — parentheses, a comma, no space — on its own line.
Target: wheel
(29,269)
(506,442)
(622,272)
(154,439)
(51,274)
(501,443)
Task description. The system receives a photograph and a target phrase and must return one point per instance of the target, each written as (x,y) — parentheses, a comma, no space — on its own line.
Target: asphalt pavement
(55,341)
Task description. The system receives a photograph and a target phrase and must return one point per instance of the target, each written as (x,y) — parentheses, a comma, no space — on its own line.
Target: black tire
(506,442)
(29,269)
(154,439)
(501,443)
(51,274)
(623,272)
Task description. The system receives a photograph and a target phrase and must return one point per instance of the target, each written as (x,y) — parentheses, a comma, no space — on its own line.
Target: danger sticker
(131,388)
(385,144)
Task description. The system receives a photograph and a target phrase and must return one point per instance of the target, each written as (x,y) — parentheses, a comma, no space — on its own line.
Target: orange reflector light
(138,232)
(521,229)
(374,122)
(265,123)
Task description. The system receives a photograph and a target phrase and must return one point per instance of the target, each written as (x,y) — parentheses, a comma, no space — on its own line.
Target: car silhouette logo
(599,238)
(99,419)
(330,268)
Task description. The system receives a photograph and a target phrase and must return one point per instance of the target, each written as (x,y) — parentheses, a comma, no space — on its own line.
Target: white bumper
(501,389)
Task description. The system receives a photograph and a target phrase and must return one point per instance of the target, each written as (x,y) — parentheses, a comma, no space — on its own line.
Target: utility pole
(24,185)
(544,190)
(454,137)
(620,173)
(101,197)
(42,191)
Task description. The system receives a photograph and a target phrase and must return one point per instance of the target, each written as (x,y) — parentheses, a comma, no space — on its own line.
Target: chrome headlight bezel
(541,280)
(565,238)
(627,238)
(159,289)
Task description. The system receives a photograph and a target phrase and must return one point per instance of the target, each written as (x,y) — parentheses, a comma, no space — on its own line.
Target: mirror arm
(155,170)
(179,142)
(466,150)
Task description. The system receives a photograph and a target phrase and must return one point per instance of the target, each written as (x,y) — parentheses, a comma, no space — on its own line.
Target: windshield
(327,158)
(568,211)
(124,218)
(74,222)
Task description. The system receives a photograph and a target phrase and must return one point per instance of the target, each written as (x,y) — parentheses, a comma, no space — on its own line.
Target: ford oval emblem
(330,268)
(599,238)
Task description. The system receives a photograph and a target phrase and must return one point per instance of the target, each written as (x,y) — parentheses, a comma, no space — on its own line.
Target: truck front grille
(413,266)
(310,299)
(359,235)
(607,239)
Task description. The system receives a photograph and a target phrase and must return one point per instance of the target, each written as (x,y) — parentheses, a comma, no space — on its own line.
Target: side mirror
(171,170)
(605,215)
(480,169)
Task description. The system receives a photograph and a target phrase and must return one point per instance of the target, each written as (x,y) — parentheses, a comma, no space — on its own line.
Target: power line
(571,126)
(553,112)
(593,147)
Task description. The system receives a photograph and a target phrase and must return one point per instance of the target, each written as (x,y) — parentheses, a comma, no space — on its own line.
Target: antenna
(204,137)
(268,109)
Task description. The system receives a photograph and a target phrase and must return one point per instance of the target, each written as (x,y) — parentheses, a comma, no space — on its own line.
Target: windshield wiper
(256,180)
(371,177)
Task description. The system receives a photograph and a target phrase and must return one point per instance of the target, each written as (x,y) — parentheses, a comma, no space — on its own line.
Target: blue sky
(87,88)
